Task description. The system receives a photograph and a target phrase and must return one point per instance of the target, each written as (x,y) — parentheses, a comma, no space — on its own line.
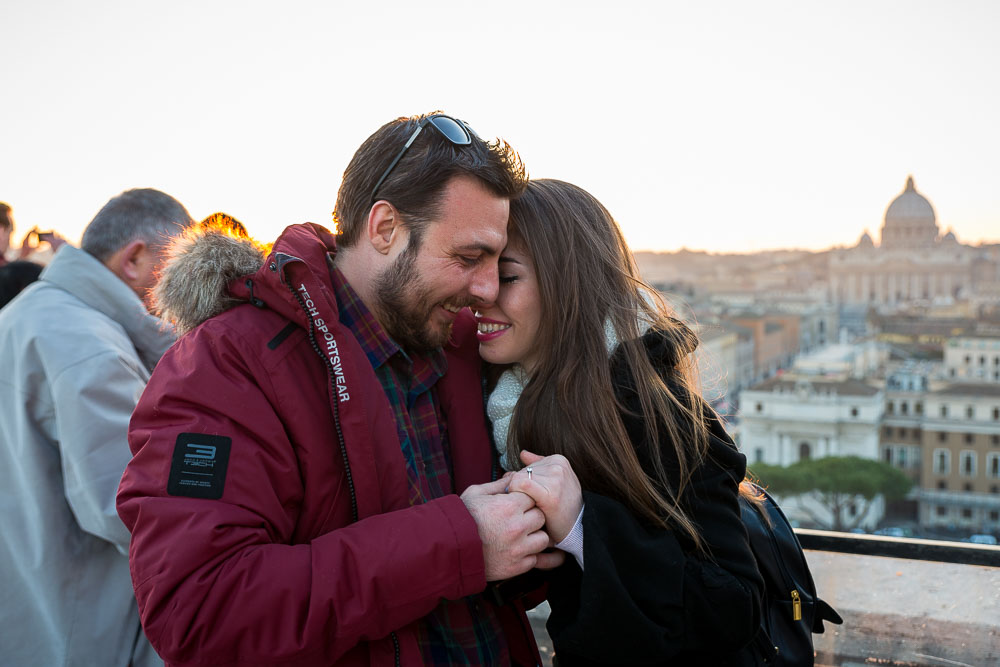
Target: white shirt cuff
(573,543)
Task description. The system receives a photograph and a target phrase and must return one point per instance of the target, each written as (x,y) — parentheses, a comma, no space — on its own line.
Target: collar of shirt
(422,370)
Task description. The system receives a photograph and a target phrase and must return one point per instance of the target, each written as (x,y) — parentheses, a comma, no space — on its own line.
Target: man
(77,348)
(293,498)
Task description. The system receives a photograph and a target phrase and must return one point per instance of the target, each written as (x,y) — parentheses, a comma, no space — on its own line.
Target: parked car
(982,539)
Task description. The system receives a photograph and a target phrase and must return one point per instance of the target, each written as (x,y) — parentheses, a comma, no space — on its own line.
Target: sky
(711,125)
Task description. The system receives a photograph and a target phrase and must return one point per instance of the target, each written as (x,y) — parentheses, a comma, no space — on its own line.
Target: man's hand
(510,527)
(555,489)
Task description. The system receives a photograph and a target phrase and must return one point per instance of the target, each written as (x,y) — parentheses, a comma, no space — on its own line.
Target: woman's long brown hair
(586,276)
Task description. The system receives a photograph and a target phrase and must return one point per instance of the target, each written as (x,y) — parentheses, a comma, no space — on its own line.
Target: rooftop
(969,389)
(981,332)
(831,354)
(839,387)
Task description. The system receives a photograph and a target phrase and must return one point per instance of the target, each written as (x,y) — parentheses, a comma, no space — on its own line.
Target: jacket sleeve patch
(198,469)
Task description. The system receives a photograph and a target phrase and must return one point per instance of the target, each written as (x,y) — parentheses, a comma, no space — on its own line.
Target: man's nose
(485,284)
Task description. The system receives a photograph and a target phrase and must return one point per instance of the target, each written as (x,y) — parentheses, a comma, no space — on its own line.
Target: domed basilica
(912,262)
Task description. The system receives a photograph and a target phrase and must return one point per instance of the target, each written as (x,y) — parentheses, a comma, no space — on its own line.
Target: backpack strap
(779,555)
(825,612)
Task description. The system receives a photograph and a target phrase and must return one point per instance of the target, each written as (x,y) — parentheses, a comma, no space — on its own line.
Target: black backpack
(791,609)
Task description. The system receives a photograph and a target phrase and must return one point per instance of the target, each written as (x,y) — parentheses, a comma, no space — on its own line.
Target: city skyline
(717,126)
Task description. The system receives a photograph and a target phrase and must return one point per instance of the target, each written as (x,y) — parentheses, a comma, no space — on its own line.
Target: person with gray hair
(77,348)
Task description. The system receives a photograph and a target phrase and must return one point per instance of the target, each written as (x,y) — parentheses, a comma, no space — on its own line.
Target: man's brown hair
(415,185)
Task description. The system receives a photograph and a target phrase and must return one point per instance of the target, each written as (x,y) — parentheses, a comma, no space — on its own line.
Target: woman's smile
(488,329)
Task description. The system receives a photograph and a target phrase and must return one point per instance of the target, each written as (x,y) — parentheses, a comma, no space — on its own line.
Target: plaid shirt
(456,632)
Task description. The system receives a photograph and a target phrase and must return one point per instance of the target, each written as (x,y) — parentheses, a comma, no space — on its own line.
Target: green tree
(836,482)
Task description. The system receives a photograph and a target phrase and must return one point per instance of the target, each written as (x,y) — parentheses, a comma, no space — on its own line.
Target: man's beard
(405,306)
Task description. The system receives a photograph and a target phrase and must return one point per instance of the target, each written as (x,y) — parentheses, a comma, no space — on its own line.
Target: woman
(585,366)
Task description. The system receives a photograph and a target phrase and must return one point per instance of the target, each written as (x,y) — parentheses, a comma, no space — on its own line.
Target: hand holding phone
(36,237)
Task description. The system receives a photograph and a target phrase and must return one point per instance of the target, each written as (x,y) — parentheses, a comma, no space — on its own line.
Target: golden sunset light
(654,332)
(722,126)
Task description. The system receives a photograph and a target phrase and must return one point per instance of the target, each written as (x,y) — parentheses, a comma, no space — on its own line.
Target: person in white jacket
(76,350)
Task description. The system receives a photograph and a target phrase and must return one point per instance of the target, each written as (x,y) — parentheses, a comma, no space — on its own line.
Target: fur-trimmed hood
(200,264)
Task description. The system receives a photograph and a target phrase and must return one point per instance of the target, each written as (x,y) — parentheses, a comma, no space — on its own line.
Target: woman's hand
(555,489)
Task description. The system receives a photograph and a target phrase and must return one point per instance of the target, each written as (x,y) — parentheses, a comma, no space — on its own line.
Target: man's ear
(131,264)
(385,228)
(130,261)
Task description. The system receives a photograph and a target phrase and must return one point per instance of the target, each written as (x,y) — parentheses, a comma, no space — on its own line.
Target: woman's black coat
(645,596)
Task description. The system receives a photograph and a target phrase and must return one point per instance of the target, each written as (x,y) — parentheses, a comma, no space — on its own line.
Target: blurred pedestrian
(15,276)
(6,229)
(40,247)
(37,245)
(77,349)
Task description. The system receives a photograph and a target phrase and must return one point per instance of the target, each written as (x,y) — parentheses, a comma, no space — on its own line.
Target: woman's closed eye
(508,279)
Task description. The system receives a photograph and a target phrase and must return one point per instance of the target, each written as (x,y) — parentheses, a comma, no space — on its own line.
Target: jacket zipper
(336,407)
(340,438)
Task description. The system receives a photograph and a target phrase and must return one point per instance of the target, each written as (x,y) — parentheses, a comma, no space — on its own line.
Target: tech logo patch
(198,469)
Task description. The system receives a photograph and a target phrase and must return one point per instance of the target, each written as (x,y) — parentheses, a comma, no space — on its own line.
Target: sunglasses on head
(450,128)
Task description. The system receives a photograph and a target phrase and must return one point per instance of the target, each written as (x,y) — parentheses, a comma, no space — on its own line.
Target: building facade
(913,261)
(788,420)
(960,459)
(973,358)
(902,424)
(775,339)
(725,363)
